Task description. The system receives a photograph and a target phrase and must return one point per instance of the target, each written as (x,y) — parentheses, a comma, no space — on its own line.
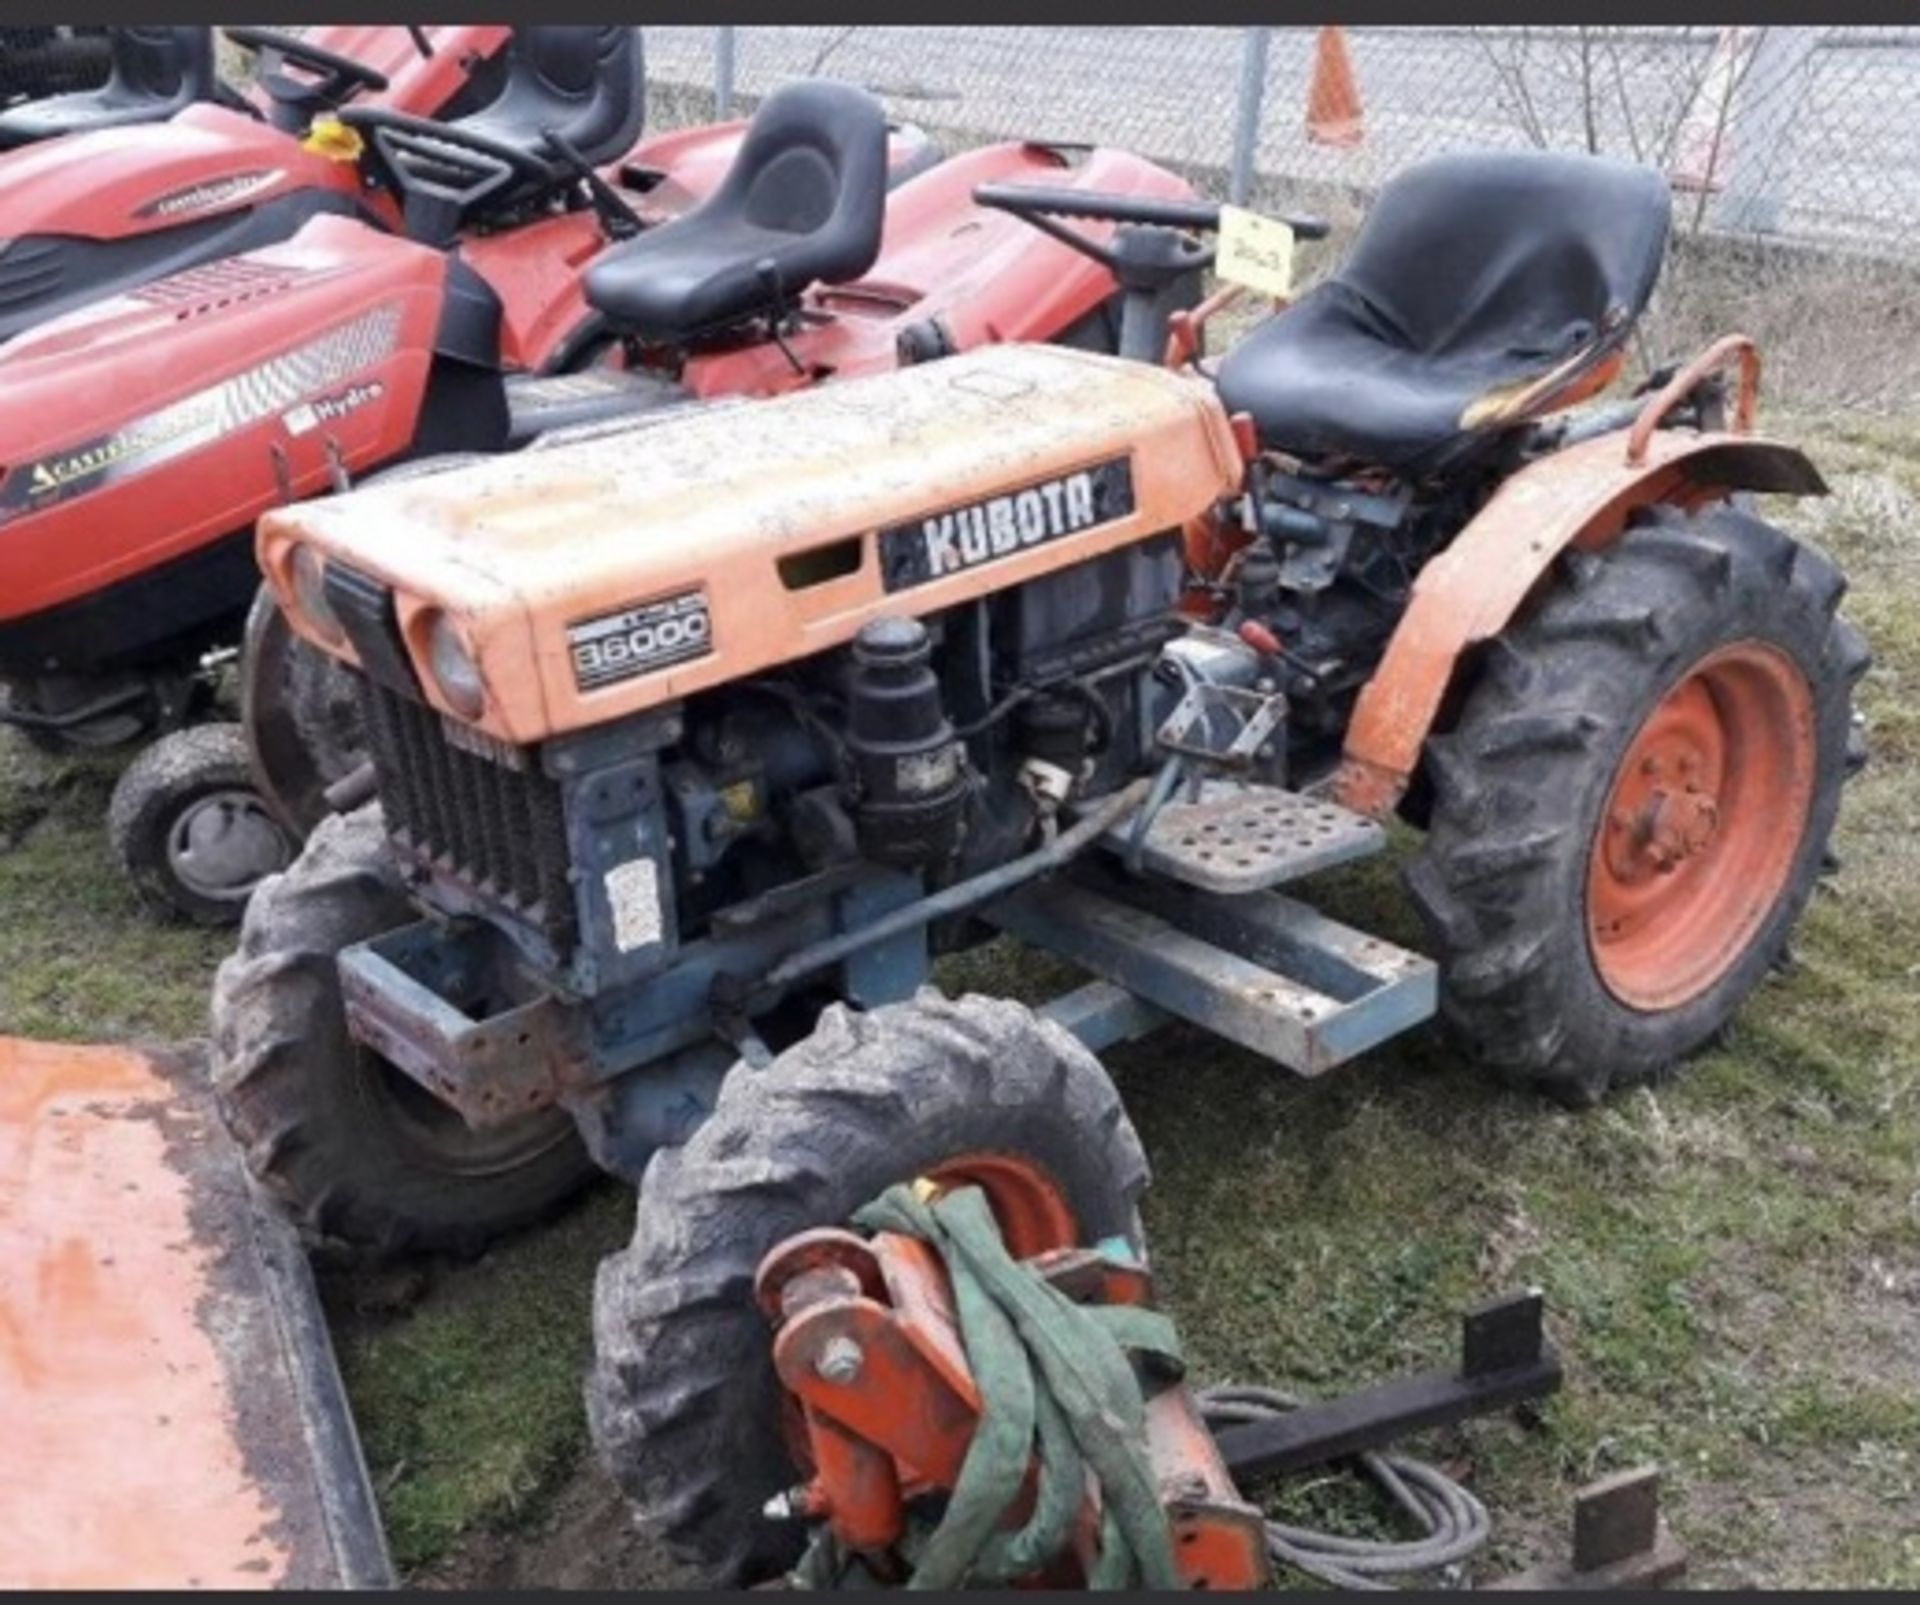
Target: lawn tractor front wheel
(684,1403)
(190,831)
(1635,803)
(357,1150)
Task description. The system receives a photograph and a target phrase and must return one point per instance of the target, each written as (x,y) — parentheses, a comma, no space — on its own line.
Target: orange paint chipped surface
(122,1464)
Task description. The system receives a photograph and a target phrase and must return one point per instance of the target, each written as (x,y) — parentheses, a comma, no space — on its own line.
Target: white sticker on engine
(633,893)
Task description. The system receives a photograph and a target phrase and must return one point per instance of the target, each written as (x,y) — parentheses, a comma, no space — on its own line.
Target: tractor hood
(607,576)
(117,182)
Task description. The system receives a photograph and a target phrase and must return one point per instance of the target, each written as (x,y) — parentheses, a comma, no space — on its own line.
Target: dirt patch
(585,1539)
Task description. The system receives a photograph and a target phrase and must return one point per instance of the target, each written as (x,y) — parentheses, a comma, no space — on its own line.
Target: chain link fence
(1794,152)
(1809,134)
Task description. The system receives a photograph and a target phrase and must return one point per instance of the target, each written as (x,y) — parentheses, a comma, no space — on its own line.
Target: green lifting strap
(1054,1375)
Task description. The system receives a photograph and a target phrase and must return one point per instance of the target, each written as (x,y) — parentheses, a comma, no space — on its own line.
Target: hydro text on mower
(681,736)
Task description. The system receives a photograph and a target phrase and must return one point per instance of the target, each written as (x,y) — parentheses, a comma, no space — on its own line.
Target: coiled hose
(1453,1523)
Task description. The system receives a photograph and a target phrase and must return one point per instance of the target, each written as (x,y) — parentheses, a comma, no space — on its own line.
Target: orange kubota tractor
(693,749)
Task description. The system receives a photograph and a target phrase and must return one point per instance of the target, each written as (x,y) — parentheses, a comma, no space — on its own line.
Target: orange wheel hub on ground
(1702,827)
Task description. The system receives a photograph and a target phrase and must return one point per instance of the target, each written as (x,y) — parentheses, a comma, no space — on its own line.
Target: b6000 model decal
(638,640)
(961,538)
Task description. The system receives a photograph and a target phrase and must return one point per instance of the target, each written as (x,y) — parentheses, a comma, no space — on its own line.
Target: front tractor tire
(357,1151)
(683,1402)
(1635,802)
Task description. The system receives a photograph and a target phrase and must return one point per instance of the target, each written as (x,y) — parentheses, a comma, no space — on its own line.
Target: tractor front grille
(474,809)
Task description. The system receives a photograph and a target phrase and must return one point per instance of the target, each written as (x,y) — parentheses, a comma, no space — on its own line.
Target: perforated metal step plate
(1243,838)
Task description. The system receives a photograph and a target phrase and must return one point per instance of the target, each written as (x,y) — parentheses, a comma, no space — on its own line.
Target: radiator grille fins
(498,828)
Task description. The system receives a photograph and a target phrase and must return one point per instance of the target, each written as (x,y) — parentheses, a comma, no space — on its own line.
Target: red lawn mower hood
(122,181)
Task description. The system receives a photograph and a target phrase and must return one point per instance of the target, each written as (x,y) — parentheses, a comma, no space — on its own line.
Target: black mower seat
(155,73)
(587,83)
(1472,275)
(803,203)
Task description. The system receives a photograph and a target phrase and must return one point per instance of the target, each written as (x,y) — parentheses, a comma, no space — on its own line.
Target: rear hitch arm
(1505,1360)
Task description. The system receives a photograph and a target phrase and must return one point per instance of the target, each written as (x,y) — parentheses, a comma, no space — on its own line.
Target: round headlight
(454,669)
(310,591)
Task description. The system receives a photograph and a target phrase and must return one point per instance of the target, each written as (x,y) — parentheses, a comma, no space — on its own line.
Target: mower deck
(173,1414)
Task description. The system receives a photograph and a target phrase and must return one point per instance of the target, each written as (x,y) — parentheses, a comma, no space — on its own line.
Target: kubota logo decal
(208,415)
(961,538)
(228,191)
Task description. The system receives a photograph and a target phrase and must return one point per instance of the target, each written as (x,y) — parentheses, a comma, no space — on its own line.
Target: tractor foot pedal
(1235,837)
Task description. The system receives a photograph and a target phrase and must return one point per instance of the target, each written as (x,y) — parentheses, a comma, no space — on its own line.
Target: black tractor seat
(568,95)
(803,203)
(588,83)
(1474,277)
(155,73)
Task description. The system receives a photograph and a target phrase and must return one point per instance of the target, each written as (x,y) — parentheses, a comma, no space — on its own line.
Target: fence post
(1246,123)
(1766,106)
(722,73)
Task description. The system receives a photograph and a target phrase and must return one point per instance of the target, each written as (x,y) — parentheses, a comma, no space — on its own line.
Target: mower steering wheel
(441,171)
(410,143)
(1045,205)
(341,76)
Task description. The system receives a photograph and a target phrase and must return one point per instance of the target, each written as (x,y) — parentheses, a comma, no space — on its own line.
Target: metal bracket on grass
(1505,1360)
(1619,1540)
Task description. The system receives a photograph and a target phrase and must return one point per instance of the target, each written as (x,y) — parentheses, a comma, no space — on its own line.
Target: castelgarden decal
(272,388)
(228,191)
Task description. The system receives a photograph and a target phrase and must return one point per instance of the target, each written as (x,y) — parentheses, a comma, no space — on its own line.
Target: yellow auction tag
(1256,252)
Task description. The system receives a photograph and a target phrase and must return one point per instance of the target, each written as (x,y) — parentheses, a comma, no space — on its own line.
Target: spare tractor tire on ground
(1635,802)
(683,1402)
(357,1150)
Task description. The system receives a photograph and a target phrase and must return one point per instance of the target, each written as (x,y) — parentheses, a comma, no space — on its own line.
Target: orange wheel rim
(1033,1214)
(1702,826)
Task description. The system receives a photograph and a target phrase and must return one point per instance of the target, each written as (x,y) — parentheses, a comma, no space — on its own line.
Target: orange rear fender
(1578,498)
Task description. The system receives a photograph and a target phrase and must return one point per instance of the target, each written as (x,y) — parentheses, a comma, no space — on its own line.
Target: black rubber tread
(314,1112)
(1521,781)
(302,715)
(147,799)
(683,1401)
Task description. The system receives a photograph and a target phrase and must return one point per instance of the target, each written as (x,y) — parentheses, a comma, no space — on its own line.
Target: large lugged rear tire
(683,1401)
(358,1152)
(1635,803)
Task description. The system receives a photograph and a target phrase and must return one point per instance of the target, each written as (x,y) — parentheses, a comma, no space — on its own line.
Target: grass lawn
(1731,1259)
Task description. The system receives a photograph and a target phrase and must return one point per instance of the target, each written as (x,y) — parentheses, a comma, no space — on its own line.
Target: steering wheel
(340,76)
(1045,205)
(442,171)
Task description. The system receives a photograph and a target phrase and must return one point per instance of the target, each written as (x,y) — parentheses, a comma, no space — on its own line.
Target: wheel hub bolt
(840,1360)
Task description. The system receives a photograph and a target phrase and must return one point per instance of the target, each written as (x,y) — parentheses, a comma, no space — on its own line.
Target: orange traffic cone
(1334,116)
(1702,146)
